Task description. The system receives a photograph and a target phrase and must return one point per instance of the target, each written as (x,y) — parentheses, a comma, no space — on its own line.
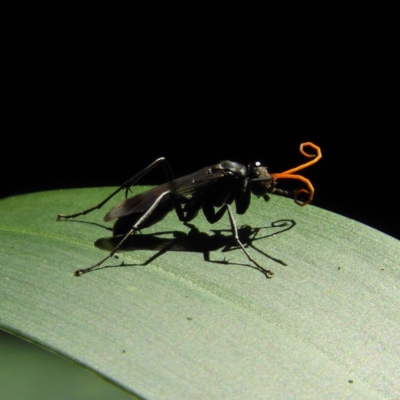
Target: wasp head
(261,182)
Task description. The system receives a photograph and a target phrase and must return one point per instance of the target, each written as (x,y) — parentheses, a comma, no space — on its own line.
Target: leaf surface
(168,324)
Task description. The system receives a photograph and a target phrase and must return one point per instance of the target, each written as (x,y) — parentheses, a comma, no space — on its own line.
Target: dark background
(93,111)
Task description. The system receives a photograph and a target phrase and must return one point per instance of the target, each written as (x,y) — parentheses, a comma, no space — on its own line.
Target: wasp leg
(267,273)
(125,186)
(134,229)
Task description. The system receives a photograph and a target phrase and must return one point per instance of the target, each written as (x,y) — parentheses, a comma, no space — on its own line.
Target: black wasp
(212,189)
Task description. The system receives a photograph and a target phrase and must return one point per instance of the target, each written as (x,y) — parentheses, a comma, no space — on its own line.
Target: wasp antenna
(289,173)
(310,192)
(307,164)
(303,203)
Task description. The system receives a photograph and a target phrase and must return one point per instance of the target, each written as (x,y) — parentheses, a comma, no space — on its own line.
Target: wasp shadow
(76,221)
(195,241)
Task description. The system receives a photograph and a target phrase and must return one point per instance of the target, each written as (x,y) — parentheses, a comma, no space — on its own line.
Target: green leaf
(325,326)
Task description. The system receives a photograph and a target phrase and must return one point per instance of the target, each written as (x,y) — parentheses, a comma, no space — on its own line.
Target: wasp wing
(183,186)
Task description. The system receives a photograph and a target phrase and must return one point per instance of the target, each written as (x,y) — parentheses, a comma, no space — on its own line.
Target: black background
(93,110)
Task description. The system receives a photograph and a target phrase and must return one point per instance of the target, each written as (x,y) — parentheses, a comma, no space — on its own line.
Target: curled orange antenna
(289,173)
